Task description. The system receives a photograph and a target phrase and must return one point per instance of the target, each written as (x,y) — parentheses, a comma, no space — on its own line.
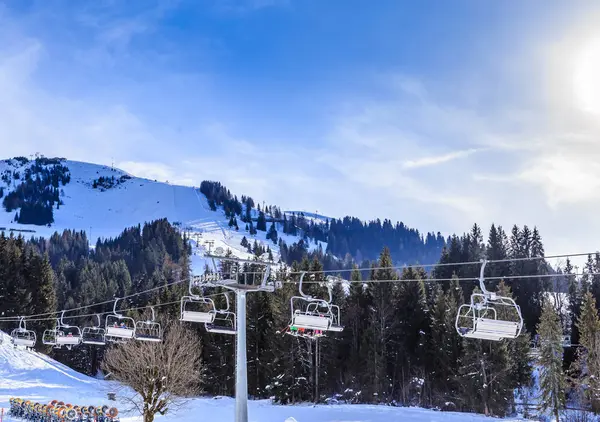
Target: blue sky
(436,113)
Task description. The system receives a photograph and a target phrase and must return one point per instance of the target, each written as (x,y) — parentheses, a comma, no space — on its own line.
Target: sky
(436,113)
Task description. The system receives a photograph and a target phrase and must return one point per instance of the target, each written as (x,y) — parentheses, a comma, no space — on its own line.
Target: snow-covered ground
(34,376)
(105,213)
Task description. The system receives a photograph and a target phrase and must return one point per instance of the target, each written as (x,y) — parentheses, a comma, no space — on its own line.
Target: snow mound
(35,376)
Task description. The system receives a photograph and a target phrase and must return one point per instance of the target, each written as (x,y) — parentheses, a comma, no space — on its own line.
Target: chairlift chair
(224,321)
(94,335)
(313,314)
(67,335)
(479,319)
(149,330)
(118,328)
(197,308)
(21,336)
(49,336)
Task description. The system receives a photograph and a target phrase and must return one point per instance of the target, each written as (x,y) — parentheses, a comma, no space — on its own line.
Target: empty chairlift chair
(21,336)
(49,336)
(118,328)
(94,335)
(489,316)
(224,321)
(197,308)
(149,330)
(67,335)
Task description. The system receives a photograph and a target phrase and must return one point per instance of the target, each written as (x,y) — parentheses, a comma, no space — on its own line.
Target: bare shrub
(162,375)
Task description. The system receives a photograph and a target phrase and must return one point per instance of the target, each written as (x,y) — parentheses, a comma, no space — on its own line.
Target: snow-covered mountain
(103,210)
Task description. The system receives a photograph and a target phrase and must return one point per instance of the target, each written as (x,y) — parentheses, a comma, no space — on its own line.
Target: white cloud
(438,159)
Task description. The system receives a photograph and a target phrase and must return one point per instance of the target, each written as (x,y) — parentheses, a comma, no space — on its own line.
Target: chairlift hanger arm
(482,278)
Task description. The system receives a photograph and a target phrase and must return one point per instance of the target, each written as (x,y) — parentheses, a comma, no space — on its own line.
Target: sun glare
(586,78)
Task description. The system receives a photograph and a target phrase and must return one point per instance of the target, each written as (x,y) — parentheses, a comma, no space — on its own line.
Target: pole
(241,379)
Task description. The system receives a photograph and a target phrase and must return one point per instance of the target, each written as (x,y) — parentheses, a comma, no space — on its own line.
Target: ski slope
(34,376)
(105,213)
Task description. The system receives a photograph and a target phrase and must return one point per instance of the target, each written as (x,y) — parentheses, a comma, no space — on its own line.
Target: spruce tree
(575,300)
(587,366)
(552,378)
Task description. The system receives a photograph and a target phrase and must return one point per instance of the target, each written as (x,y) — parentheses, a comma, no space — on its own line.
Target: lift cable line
(36,317)
(449,264)
(437,280)
(97,314)
(339,271)
(100,303)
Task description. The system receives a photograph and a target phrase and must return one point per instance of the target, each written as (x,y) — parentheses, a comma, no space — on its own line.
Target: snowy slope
(105,213)
(36,377)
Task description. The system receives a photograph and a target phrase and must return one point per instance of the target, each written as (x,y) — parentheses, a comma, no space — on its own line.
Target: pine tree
(272,233)
(588,361)
(382,330)
(575,300)
(261,222)
(553,382)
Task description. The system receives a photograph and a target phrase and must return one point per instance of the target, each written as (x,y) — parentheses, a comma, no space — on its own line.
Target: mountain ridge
(103,200)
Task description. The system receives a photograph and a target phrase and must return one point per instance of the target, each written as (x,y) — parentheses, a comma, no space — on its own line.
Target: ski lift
(49,336)
(195,308)
(93,335)
(118,327)
(149,330)
(224,320)
(67,335)
(22,336)
(482,315)
(315,317)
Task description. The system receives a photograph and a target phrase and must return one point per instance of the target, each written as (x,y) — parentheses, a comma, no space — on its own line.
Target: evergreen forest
(399,345)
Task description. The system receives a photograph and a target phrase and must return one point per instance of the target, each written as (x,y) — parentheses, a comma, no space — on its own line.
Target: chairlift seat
(68,340)
(336,328)
(94,342)
(27,342)
(211,328)
(120,332)
(493,329)
(194,316)
(313,322)
(147,337)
